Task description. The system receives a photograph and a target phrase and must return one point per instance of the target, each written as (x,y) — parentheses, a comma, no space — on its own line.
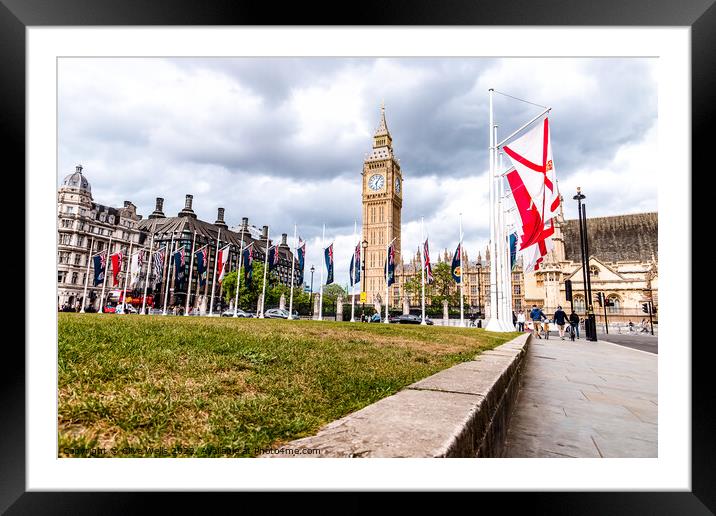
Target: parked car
(395,318)
(276,313)
(412,319)
(239,313)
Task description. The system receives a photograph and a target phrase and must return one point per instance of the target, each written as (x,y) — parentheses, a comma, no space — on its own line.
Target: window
(111,219)
(473,290)
(518,290)
(578,303)
(615,302)
(66,223)
(64,257)
(102,217)
(594,270)
(75,277)
(61,276)
(77,259)
(70,209)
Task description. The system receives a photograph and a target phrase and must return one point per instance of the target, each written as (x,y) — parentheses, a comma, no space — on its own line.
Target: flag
(531,155)
(158,265)
(301,252)
(391,264)
(248,261)
(428,267)
(355,266)
(179,262)
(100,262)
(533,255)
(201,265)
(528,222)
(116,267)
(328,253)
(135,268)
(222,260)
(274,258)
(455,269)
(513,250)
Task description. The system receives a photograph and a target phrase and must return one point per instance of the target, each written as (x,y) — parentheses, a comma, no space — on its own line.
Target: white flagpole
(191,270)
(126,278)
(263,289)
(213,278)
(106,270)
(462,279)
(500,243)
(493,323)
(422,262)
(150,265)
(353,273)
(84,293)
(506,271)
(320,298)
(169,256)
(293,267)
(238,275)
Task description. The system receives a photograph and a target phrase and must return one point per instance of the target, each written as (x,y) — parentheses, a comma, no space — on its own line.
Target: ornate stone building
(623,252)
(84,228)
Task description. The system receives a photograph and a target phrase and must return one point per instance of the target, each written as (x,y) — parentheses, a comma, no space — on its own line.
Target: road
(648,343)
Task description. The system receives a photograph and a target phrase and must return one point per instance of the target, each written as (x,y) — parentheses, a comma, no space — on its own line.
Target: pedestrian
(574,323)
(521,321)
(560,319)
(536,315)
(631,326)
(514,318)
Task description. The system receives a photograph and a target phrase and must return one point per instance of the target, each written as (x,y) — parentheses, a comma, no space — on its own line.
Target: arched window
(615,302)
(579,303)
(594,270)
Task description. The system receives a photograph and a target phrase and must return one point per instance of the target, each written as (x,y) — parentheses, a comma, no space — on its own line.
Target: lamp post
(311,296)
(479,294)
(590,326)
(364,245)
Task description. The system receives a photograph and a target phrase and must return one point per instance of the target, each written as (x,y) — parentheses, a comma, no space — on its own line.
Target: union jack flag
(159,265)
(428,266)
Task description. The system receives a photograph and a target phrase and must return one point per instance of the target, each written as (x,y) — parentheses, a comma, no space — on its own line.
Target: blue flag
(201,266)
(248,262)
(179,261)
(274,258)
(328,252)
(301,252)
(356,258)
(391,264)
(455,269)
(513,250)
(99,266)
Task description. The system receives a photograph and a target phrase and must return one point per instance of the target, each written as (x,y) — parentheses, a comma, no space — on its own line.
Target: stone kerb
(459,412)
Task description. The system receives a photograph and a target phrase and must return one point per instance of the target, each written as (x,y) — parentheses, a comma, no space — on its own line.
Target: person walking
(574,323)
(560,319)
(521,321)
(536,315)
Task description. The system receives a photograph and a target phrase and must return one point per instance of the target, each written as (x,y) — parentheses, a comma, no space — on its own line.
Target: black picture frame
(17,15)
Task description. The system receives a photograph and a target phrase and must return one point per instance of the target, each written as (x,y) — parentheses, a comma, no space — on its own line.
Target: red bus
(116,297)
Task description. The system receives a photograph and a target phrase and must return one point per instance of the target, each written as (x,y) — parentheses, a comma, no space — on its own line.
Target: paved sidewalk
(585,399)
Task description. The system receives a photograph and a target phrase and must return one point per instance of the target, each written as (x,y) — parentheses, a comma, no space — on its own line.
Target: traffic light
(600,298)
(568,289)
(645,308)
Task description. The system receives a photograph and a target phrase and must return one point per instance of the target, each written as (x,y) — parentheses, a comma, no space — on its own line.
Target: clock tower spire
(382,196)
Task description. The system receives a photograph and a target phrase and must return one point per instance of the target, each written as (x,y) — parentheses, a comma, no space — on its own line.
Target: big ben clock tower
(382,202)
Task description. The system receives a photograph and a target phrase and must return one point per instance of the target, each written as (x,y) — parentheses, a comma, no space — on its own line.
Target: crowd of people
(540,322)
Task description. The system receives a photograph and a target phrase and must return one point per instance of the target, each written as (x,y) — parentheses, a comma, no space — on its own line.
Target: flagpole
(191,269)
(293,268)
(126,278)
(150,264)
(353,274)
(170,256)
(506,270)
(263,289)
(106,268)
(387,258)
(493,322)
(198,281)
(238,275)
(500,242)
(422,271)
(462,277)
(213,278)
(320,296)
(84,293)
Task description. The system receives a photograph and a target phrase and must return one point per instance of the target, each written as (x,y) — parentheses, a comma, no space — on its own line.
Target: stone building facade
(85,228)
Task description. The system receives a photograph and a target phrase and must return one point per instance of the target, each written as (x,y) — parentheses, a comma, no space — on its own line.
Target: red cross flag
(531,155)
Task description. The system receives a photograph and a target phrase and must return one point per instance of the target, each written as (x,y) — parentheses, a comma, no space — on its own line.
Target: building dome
(77,180)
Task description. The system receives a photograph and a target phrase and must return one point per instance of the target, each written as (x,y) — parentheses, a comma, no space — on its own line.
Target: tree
(249,292)
(413,287)
(444,286)
(332,291)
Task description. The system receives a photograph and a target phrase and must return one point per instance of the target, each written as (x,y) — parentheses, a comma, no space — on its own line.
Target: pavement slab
(585,399)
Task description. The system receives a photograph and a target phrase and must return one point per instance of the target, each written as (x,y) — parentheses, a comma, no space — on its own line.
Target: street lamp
(364,245)
(590,323)
(479,294)
(311,296)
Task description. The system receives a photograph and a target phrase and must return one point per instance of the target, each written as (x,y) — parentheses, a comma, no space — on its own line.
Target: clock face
(376,182)
(397,185)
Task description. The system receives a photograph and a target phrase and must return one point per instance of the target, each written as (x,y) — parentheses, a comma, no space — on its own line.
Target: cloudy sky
(282,140)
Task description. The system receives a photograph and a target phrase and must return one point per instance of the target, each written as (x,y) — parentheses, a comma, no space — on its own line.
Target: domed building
(84,228)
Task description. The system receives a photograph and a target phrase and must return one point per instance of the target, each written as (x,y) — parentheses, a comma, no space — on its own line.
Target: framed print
(262,138)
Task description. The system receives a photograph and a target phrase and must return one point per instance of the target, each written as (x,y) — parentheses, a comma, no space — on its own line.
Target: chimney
(127,204)
(187,211)
(78,169)
(158,213)
(220,219)
(264,232)
(283,239)
(244,222)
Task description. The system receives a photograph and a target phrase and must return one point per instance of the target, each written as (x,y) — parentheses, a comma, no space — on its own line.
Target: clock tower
(382,202)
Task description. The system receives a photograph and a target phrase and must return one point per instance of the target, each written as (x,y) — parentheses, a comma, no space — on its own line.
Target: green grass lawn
(142,386)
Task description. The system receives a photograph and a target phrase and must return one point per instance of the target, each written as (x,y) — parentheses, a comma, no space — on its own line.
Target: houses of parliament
(623,257)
